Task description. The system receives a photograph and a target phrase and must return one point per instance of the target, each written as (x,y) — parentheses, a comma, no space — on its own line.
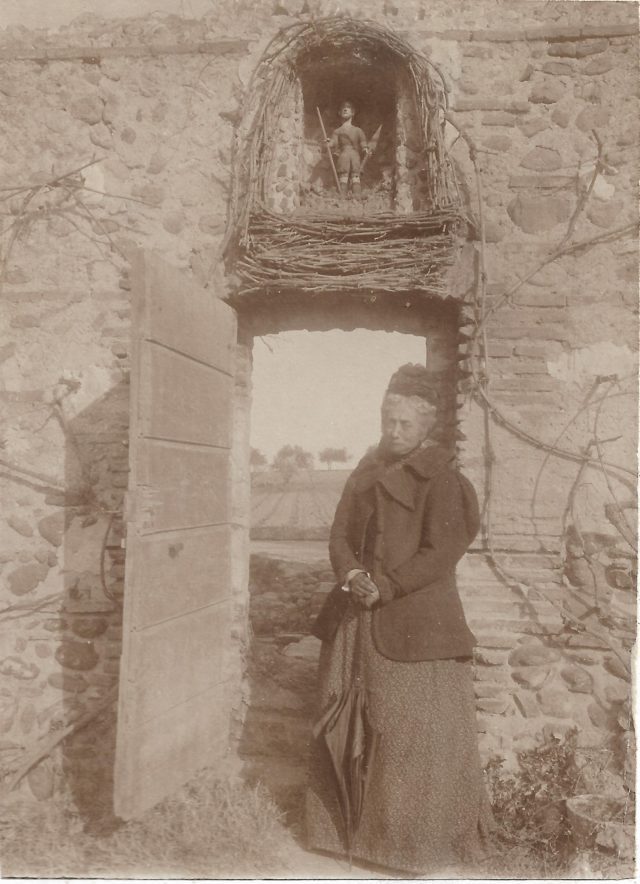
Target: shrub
(528,805)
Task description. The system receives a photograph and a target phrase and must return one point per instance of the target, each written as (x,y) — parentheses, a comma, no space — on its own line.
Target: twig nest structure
(290,230)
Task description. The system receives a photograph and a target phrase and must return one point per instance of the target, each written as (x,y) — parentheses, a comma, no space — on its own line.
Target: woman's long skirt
(426,805)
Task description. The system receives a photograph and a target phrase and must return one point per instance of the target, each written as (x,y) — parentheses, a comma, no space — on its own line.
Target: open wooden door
(173,715)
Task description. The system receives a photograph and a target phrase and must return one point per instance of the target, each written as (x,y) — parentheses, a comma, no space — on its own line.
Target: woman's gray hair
(423,408)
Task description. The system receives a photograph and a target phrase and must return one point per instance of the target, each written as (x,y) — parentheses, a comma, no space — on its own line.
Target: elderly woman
(405,518)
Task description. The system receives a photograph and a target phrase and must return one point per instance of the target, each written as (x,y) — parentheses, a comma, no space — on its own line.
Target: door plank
(170,749)
(202,411)
(192,565)
(181,486)
(175,659)
(187,318)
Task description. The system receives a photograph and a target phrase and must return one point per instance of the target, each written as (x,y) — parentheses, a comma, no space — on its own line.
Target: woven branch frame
(312,251)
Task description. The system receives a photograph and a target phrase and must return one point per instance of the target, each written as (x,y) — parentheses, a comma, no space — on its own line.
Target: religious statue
(350,144)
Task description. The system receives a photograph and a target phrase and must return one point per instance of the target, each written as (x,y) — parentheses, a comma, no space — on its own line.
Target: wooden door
(173,707)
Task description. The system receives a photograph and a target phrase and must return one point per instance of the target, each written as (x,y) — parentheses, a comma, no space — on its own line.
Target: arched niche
(281,162)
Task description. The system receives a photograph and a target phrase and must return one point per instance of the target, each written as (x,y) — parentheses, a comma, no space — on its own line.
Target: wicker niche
(293,227)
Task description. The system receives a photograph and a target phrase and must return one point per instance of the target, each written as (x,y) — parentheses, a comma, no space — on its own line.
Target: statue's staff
(326,141)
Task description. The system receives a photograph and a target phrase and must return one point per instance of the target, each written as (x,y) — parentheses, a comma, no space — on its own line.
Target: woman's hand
(364,590)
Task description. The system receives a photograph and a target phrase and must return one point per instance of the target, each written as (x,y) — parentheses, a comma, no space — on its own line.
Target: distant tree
(333,455)
(257,459)
(290,459)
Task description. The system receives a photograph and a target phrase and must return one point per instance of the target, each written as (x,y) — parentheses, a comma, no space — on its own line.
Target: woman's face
(404,427)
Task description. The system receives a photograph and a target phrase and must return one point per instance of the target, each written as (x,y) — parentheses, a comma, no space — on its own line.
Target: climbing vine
(477,358)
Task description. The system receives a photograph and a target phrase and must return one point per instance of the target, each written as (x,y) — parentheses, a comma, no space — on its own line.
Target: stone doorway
(289,571)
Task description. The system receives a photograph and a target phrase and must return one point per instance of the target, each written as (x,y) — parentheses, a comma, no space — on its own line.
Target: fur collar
(398,478)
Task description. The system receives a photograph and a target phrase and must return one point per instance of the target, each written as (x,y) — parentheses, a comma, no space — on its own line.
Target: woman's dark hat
(413,380)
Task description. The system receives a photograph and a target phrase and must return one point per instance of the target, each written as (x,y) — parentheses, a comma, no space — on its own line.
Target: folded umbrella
(351,742)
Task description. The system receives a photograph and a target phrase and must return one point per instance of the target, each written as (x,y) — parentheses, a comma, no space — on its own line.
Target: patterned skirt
(426,805)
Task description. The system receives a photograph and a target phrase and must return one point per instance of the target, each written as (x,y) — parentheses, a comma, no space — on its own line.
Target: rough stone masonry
(119,134)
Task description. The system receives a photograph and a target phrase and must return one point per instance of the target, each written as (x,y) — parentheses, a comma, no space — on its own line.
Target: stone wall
(120,135)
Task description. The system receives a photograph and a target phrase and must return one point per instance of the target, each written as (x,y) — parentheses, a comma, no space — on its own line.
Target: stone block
(28,718)
(89,627)
(617,692)
(558,68)
(615,666)
(16,667)
(20,525)
(598,716)
(527,705)
(25,578)
(484,689)
(525,382)
(500,350)
(587,641)
(487,657)
(531,677)
(494,705)
(485,103)
(41,780)
(157,163)
(54,625)
(498,118)
(577,679)
(589,91)
(501,143)
(77,655)
(561,117)
(533,655)
(584,657)
(533,126)
(547,92)
(604,214)
(101,136)
(8,709)
(534,351)
(88,108)
(52,528)
(542,159)
(536,214)
(598,66)
(593,118)
(62,681)
(554,702)
(571,49)
(153,194)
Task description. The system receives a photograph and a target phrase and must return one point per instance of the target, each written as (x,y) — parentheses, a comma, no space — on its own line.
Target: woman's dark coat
(408,526)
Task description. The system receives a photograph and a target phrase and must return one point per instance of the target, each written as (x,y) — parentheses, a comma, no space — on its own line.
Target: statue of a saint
(350,144)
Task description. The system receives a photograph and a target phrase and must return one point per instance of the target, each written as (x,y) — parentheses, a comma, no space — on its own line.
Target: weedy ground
(210,829)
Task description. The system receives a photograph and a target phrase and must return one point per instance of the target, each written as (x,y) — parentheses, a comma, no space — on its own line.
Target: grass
(212,828)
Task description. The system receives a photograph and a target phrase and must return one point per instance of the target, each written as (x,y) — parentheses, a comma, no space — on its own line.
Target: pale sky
(324,389)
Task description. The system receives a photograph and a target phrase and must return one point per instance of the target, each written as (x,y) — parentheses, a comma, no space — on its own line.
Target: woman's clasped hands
(364,590)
